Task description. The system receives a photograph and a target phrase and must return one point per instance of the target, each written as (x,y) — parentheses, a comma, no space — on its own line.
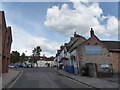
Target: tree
(36,53)
(22,57)
(14,57)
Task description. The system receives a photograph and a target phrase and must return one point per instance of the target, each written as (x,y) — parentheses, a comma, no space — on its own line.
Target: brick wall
(116,61)
(104,58)
(5,42)
(0,47)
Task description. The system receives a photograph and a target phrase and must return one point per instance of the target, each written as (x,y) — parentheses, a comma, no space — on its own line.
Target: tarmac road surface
(45,77)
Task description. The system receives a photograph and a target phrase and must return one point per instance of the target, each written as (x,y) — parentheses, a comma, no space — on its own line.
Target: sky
(51,24)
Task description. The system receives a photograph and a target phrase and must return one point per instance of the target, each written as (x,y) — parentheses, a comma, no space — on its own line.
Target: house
(95,57)
(62,57)
(114,49)
(77,39)
(45,61)
(41,61)
(57,58)
(5,41)
(49,62)
(66,53)
(91,56)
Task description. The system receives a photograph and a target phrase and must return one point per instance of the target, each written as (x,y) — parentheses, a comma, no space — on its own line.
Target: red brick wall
(105,58)
(116,61)
(0,44)
(5,47)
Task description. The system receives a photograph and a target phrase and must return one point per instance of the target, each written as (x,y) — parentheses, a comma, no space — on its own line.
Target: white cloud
(25,42)
(81,19)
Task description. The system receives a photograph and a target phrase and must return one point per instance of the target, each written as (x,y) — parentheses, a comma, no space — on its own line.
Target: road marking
(14,81)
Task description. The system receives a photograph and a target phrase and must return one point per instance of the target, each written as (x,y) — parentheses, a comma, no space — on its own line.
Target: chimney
(92,32)
(71,38)
(74,33)
(9,28)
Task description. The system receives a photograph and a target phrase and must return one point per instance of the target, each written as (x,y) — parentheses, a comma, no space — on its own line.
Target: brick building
(114,49)
(98,57)
(5,41)
(92,56)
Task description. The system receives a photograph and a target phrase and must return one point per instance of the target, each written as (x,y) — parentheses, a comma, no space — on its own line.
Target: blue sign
(93,50)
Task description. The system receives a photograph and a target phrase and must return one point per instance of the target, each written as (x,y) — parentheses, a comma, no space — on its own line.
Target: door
(90,69)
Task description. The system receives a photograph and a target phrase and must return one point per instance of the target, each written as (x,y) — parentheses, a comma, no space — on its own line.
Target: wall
(41,63)
(0,46)
(6,43)
(116,61)
(83,58)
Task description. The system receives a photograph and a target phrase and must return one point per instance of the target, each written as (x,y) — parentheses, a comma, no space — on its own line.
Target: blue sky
(50,24)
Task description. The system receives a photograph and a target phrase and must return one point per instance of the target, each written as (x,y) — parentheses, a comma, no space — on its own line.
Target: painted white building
(41,63)
(45,62)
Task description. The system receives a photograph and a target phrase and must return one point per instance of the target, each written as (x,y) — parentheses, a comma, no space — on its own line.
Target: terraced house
(5,43)
(91,57)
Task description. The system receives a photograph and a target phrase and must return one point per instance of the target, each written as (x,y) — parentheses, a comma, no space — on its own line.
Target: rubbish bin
(71,69)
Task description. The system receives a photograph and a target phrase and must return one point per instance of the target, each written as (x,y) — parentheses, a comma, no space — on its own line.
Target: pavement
(111,79)
(91,81)
(115,78)
(9,77)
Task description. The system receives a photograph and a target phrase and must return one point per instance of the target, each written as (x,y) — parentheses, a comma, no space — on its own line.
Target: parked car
(27,65)
(15,65)
(24,65)
(11,66)
(20,65)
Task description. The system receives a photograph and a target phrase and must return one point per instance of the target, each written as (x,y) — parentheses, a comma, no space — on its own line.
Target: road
(45,78)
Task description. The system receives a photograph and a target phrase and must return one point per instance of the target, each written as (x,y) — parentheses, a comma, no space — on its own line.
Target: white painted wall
(41,63)
(75,61)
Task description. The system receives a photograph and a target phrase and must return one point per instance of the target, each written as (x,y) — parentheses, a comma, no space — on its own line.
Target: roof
(66,46)
(46,58)
(75,41)
(111,44)
(64,58)
(49,59)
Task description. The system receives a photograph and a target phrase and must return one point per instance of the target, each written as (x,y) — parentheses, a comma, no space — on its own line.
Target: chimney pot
(92,32)
(74,33)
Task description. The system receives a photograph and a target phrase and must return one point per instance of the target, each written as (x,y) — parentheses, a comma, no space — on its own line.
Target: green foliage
(36,53)
(14,57)
(22,57)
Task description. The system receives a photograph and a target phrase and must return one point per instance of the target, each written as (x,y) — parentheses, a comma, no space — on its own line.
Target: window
(93,50)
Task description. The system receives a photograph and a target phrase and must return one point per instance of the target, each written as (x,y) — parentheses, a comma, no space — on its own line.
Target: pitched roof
(49,59)
(74,42)
(111,44)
